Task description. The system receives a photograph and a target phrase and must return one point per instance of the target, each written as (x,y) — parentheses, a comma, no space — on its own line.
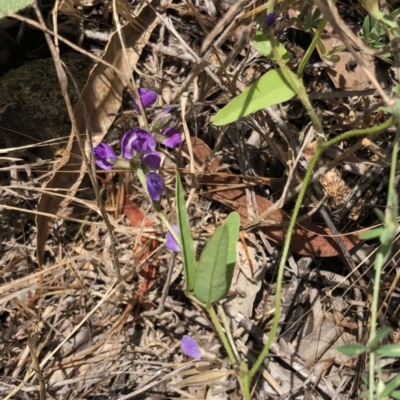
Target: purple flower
(171,243)
(147,98)
(151,161)
(137,140)
(269,20)
(172,137)
(191,348)
(104,156)
(155,186)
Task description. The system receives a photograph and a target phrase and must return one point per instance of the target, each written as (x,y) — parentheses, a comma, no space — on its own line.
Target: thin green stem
(311,47)
(282,263)
(390,226)
(292,224)
(225,322)
(244,379)
(295,83)
(271,6)
(221,333)
(358,132)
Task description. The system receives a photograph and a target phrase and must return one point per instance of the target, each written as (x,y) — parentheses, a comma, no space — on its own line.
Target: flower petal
(147,98)
(269,20)
(172,137)
(126,144)
(104,156)
(171,243)
(137,140)
(155,186)
(191,348)
(151,161)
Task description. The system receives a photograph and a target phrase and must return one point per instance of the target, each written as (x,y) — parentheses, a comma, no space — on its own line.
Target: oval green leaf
(390,350)
(271,88)
(391,386)
(264,47)
(211,283)
(354,349)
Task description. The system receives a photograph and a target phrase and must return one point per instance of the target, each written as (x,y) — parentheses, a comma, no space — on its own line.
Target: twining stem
(384,251)
(321,148)
(312,46)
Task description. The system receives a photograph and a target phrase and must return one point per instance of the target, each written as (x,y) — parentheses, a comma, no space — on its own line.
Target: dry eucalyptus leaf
(346,74)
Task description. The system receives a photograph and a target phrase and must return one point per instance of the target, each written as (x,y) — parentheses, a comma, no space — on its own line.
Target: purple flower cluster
(138,146)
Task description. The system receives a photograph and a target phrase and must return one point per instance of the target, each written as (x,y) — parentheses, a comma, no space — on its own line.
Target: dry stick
(222,24)
(213,48)
(164,293)
(72,333)
(299,366)
(201,63)
(346,257)
(142,117)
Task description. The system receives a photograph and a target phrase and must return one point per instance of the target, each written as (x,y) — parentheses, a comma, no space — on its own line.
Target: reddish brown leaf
(134,214)
(308,238)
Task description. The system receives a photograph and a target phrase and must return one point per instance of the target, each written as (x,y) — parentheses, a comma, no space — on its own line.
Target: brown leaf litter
(71,330)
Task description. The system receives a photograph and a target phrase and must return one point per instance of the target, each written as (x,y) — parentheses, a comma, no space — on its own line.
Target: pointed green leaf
(211,283)
(354,349)
(264,47)
(390,350)
(189,261)
(371,234)
(380,335)
(395,394)
(271,88)
(391,386)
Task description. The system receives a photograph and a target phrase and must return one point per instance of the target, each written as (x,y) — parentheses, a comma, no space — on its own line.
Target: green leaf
(371,234)
(188,256)
(395,394)
(211,283)
(264,47)
(366,28)
(391,386)
(380,335)
(354,349)
(12,6)
(365,378)
(380,215)
(233,225)
(390,350)
(271,88)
